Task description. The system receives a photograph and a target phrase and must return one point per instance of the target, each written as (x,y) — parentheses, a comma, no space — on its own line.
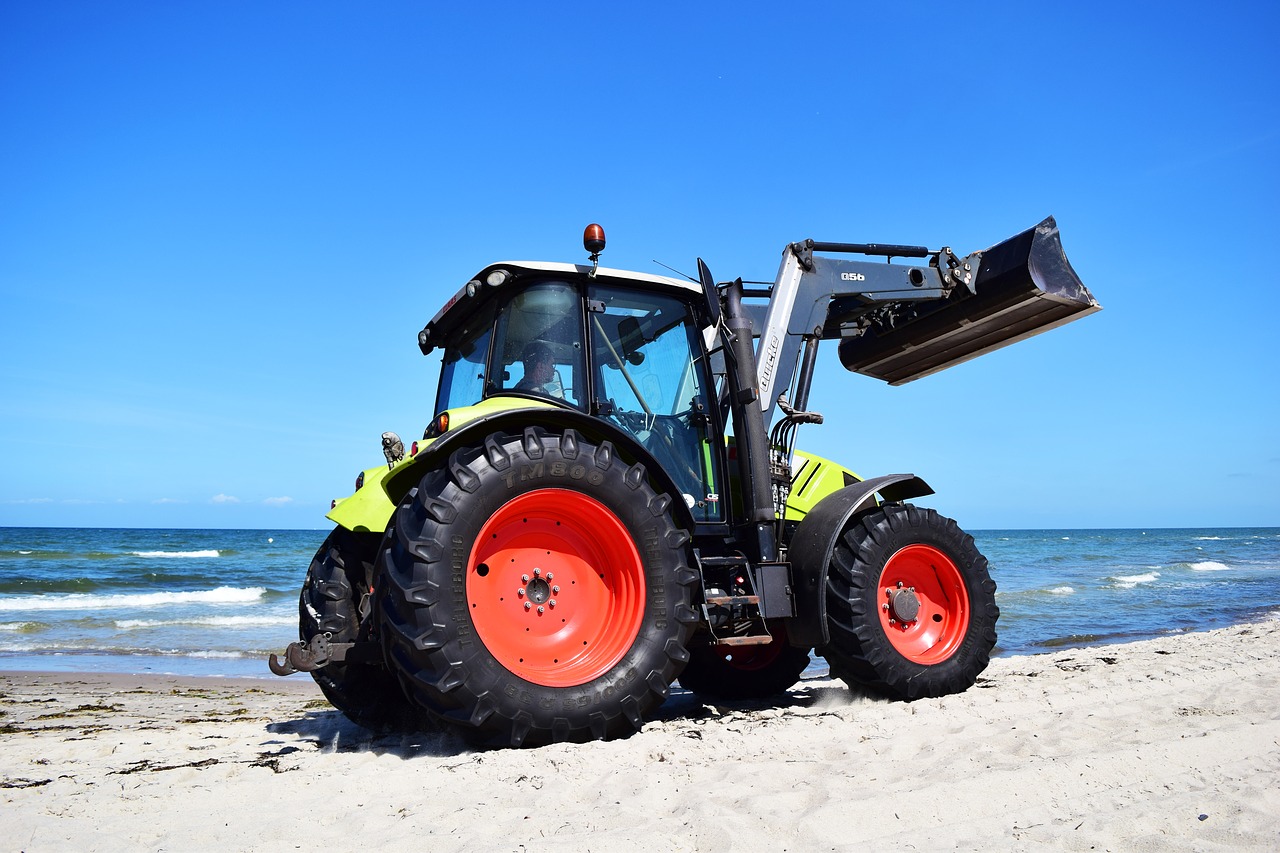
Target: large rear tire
(366,693)
(744,672)
(910,604)
(536,589)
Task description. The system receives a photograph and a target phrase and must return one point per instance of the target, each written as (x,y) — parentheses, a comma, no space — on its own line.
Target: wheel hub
(904,605)
(538,590)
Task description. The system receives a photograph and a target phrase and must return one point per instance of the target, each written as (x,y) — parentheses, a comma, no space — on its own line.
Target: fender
(373,511)
(815,539)
(369,508)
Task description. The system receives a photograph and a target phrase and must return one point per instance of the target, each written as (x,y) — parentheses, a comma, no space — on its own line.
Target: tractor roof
(510,274)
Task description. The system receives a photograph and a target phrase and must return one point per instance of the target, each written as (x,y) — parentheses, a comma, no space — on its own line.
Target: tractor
(609,497)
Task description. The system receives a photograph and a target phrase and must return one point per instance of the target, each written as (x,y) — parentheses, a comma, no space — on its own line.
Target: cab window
(651,380)
(463,373)
(539,344)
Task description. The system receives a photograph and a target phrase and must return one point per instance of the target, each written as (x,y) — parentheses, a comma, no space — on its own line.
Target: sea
(217,602)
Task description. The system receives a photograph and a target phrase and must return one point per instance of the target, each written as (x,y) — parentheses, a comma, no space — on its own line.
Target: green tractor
(609,497)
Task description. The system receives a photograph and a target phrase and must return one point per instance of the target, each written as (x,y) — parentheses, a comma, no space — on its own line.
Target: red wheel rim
(555,586)
(923,603)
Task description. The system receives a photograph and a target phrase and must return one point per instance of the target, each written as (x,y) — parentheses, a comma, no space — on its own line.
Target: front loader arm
(900,322)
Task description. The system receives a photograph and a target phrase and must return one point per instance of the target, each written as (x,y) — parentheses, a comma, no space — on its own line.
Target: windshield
(539,350)
(531,345)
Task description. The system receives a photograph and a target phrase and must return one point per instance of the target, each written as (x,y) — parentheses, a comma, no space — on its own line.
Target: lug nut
(555,589)
(524,579)
(520,592)
(527,605)
(541,609)
(537,572)
(550,576)
(552,602)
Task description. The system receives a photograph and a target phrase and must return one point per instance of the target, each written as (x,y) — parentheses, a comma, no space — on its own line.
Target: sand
(1165,744)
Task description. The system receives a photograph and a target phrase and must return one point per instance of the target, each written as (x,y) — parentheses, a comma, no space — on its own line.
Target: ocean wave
(1212,539)
(106,556)
(59,649)
(33,553)
(33,586)
(23,627)
(1062,590)
(1209,566)
(1130,581)
(178,554)
(82,601)
(209,622)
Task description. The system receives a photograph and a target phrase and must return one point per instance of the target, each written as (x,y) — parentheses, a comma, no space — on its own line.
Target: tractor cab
(621,347)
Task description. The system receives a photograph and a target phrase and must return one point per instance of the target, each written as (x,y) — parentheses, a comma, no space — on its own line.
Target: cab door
(651,380)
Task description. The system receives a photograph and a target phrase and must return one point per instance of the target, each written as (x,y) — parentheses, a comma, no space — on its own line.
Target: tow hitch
(308,657)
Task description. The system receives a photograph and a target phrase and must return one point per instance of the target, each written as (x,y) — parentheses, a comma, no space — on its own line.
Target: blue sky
(222,225)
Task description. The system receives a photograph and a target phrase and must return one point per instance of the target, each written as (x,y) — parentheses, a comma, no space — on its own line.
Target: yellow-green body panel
(812,479)
(370,507)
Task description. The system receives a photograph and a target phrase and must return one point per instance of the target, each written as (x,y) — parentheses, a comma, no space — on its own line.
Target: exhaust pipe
(1024,286)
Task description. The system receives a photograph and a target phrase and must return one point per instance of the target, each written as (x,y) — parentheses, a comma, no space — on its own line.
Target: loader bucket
(1024,286)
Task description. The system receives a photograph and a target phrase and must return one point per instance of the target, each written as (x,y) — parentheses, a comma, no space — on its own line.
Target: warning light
(593,240)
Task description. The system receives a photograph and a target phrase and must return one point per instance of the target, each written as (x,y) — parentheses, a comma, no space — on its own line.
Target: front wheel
(910,605)
(534,589)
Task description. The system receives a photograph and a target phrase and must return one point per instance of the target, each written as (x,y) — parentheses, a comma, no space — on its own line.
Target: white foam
(178,554)
(1130,581)
(86,601)
(1062,590)
(20,627)
(209,622)
(1209,566)
(59,649)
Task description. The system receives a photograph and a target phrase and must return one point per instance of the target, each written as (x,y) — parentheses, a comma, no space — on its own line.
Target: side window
(653,376)
(539,349)
(462,375)
(651,381)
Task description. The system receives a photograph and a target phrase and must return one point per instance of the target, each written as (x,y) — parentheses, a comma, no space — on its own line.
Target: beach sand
(1164,744)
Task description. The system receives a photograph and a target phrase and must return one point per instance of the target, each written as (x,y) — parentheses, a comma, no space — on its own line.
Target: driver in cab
(540,372)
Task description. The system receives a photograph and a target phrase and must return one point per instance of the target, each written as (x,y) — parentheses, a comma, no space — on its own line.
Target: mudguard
(815,539)
(370,508)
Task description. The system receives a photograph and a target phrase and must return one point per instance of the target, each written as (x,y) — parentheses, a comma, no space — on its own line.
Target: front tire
(910,604)
(536,589)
